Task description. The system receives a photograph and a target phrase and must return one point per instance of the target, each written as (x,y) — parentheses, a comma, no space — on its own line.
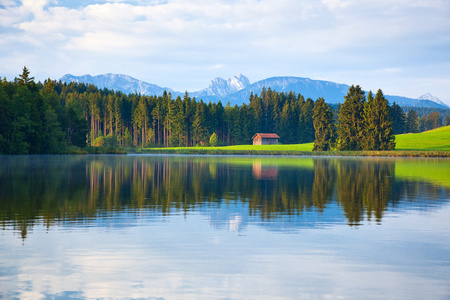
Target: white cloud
(258,38)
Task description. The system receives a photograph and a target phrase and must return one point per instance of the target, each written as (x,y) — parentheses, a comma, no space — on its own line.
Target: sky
(399,46)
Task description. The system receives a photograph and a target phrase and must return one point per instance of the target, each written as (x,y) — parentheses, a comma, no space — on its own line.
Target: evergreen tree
(412,122)
(213,140)
(378,131)
(433,120)
(118,104)
(398,118)
(141,119)
(127,140)
(77,126)
(287,128)
(180,123)
(306,123)
(258,108)
(236,128)
(4,116)
(189,108)
(158,117)
(24,78)
(324,126)
(447,121)
(200,133)
(228,123)
(246,123)
(351,121)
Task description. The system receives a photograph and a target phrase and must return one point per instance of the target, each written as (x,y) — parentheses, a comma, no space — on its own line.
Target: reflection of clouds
(187,259)
(232,216)
(235,223)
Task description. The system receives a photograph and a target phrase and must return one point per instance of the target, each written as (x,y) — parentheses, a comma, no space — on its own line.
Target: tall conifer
(412,122)
(378,130)
(324,126)
(350,119)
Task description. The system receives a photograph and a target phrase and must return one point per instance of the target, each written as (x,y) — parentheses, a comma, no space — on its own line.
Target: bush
(110,141)
(213,140)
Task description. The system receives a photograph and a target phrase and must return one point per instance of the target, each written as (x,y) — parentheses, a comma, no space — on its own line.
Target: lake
(224,227)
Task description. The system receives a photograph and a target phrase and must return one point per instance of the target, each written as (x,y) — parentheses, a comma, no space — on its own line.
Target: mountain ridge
(119,82)
(237,89)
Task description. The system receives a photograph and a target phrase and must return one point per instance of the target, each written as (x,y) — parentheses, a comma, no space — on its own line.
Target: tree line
(53,116)
(362,123)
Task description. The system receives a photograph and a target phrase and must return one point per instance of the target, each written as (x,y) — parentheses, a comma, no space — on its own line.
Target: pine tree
(447,121)
(370,141)
(246,123)
(213,140)
(77,126)
(258,108)
(378,131)
(24,78)
(324,126)
(433,120)
(53,135)
(398,118)
(228,123)
(350,119)
(200,133)
(412,122)
(306,124)
(118,102)
(236,129)
(178,123)
(140,119)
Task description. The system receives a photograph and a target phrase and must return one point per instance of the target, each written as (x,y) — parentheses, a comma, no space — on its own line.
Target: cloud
(180,40)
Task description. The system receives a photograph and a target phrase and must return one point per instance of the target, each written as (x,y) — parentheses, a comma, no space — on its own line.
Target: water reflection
(266,172)
(61,189)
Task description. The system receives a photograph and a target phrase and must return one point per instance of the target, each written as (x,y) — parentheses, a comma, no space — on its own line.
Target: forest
(57,117)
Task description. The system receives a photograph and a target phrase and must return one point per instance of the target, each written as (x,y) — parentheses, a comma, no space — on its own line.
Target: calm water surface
(224,227)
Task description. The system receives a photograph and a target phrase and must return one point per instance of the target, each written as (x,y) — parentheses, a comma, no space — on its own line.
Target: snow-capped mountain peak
(222,87)
(239,82)
(430,97)
(237,89)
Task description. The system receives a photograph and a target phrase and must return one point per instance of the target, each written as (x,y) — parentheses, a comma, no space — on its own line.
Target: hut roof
(267,135)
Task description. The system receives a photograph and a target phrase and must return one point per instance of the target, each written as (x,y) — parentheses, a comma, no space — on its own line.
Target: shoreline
(203,151)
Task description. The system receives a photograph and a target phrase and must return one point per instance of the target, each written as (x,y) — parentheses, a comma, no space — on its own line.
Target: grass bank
(94,150)
(433,143)
(434,140)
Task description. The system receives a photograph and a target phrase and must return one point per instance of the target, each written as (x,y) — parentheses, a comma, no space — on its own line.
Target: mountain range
(237,89)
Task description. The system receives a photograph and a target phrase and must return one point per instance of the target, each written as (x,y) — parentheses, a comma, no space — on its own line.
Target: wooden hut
(265,139)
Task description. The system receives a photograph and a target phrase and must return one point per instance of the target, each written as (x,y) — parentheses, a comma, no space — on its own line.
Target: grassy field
(300,149)
(433,143)
(437,140)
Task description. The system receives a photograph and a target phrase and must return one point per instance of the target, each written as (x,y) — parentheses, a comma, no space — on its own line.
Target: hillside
(437,139)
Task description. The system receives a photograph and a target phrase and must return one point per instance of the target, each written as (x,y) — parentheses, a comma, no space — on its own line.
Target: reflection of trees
(364,186)
(324,180)
(81,188)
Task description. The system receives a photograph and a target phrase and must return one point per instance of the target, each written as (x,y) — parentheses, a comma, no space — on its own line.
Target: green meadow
(433,143)
(437,140)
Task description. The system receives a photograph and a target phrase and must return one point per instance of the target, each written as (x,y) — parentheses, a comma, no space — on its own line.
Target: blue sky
(400,46)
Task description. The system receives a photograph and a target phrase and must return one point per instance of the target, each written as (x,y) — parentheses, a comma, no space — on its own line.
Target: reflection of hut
(265,139)
(261,172)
